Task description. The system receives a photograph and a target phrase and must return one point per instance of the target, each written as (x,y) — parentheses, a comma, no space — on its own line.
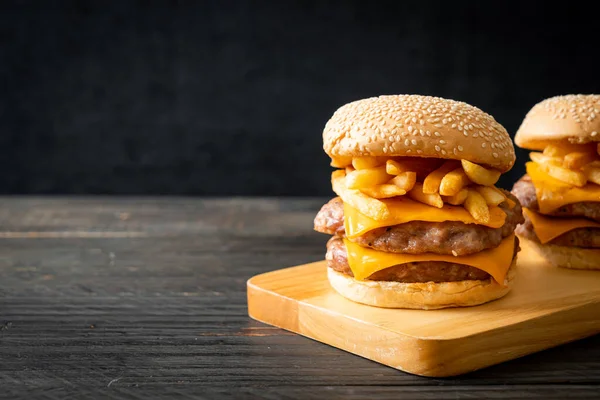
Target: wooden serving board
(548,306)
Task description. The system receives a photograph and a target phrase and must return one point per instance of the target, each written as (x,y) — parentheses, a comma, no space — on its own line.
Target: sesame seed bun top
(572,118)
(418,126)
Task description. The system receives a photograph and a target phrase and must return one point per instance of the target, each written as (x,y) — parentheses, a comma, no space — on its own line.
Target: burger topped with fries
(561,191)
(418,222)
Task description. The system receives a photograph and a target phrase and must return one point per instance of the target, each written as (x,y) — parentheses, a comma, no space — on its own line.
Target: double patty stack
(561,191)
(418,222)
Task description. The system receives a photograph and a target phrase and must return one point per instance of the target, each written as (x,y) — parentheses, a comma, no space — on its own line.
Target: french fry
(592,174)
(422,166)
(458,199)
(362,178)
(431,183)
(554,151)
(559,150)
(339,173)
(383,191)
(544,159)
(349,169)
(405,180)
(573,178)
(476,206)
(491,195)
(578,159)
(340,162)
(453,182)
(366,205)
(393,167)
(564,148)
(479,174)
(434,200)
(367,162)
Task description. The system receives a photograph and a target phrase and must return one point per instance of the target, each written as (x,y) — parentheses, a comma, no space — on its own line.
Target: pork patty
(330,219)
(417,237)
(427,271)
(580,237)
(524,190)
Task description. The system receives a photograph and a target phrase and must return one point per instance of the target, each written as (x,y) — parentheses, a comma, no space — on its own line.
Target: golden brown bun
(422,296)
(418,126)
(572,118)
(567,257)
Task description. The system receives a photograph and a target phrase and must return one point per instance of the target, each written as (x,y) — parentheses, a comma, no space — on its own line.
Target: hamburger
(560,193)
(418,222)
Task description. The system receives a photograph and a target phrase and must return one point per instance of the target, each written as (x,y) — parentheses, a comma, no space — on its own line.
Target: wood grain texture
(547,307)
(165,313)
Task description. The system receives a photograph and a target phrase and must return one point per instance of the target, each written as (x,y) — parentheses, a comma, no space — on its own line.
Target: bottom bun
(418,295)
(565,256)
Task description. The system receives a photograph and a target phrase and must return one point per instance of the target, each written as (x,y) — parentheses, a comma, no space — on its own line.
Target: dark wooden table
(122,297)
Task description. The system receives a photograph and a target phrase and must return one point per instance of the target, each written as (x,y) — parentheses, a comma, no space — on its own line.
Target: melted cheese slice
(364,262)
(403,209)
(552,193)
(547,228)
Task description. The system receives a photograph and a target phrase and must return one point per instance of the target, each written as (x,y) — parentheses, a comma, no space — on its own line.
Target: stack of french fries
(364,181)
(573,164)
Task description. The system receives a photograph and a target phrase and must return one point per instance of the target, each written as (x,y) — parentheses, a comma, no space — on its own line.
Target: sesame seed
(396,118)
(483,144)
(437,148)
(414,142)
(442,141)
(443,152)
(495,155)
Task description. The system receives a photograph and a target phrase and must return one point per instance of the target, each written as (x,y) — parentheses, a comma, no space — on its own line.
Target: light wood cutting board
(548,306)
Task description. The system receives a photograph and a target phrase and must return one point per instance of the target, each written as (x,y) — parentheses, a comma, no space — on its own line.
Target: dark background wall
(230,98)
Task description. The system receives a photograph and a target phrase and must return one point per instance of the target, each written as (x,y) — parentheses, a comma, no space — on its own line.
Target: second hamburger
(561,191)
(418,222)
